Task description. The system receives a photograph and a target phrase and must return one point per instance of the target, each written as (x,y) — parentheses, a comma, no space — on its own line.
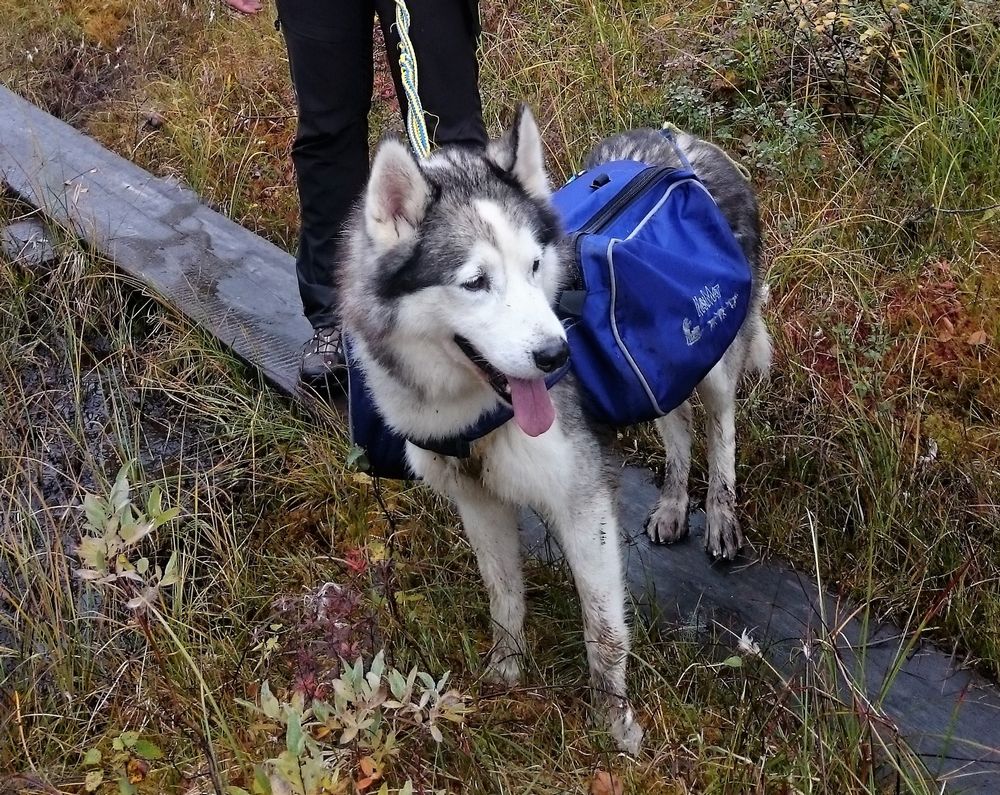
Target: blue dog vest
(660,292)
(385,450)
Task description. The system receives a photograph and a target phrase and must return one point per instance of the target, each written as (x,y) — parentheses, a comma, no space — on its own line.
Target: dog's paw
(625,729)
(668,522)
(723,536)
(503,668)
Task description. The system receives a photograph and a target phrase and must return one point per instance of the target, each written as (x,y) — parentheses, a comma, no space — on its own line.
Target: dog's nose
(552,355)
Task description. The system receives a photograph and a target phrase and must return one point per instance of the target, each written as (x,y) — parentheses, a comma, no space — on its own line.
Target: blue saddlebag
(662,287)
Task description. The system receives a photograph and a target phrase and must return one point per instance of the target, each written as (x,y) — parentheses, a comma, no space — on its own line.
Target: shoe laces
(326,341)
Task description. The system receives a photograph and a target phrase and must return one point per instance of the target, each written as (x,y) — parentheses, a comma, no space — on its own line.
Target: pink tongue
(533,409)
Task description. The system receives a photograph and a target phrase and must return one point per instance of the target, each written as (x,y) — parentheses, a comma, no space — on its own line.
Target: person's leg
(445,35)
(330,55)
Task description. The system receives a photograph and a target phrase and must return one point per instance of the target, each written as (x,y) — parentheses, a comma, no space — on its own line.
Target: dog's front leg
(589,540)
(669,520)
(491,527)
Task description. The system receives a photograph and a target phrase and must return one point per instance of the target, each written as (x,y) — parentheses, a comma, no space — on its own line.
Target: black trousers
(330,54)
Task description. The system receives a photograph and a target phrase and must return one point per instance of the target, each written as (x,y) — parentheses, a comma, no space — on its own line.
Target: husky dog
(453,265)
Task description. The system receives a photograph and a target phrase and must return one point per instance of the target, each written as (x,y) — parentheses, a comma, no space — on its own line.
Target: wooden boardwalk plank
(242,290)
(238,286)
(950,716)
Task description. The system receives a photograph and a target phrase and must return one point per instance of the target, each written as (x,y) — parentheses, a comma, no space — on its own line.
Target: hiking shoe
(323,356)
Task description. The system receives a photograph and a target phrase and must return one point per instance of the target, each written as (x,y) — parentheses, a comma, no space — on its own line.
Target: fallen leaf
(355,560)
(370,773)
(376,551)
(137,770)
(148,750)
(978,338)
(92,757)
(605,783)
(93,780)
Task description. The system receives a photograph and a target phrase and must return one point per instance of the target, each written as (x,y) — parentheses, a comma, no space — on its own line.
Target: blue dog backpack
(662,287)
(661,290)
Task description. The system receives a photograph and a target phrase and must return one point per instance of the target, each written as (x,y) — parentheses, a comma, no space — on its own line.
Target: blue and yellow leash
(416,124)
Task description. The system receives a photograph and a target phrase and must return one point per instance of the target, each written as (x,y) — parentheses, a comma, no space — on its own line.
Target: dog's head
(462,268)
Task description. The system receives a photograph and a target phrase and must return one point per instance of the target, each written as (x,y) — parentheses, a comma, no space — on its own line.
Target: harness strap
(460,445)
(668,130)
(668,133)
(361,406)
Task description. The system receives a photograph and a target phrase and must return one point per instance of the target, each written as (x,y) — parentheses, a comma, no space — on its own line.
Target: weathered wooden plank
(27,242)
(950,716)
(242,290)
(239,287)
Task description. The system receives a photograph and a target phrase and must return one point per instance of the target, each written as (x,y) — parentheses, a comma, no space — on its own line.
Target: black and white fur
(466,245)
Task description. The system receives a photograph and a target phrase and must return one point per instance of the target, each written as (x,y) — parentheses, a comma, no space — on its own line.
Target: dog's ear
(519,152)
(397,196)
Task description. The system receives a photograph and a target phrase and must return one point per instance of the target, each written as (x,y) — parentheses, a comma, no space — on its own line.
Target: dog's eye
(477,284)
(536,265)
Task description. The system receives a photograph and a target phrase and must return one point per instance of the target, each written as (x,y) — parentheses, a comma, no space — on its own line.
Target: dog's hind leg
(669,521)
(723,537)
(491,527)
(589,540)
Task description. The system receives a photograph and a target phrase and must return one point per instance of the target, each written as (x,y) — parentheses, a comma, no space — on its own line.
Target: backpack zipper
(606,214)
(637,185)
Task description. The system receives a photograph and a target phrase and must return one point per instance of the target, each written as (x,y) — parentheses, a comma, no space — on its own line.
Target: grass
(870,456)
(267,514)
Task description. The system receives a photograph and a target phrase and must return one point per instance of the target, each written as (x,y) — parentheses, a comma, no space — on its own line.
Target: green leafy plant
(127,763)
(374,711)
(117,529)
